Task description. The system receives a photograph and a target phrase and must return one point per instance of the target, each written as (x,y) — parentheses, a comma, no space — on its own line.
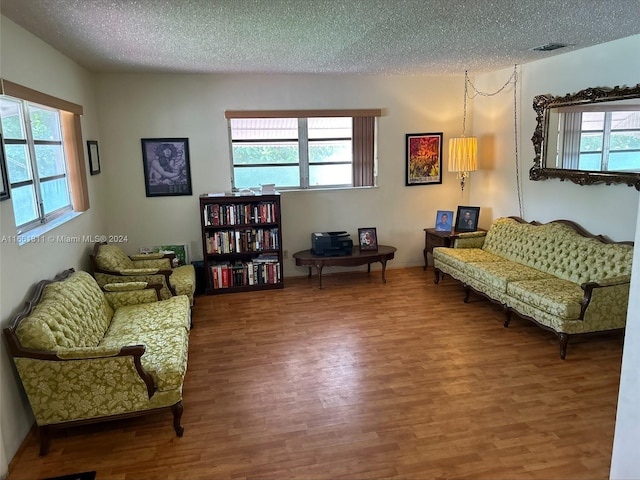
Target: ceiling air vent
(549,47)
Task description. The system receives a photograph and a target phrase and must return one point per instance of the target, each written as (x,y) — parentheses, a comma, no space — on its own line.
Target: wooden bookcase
(241,242)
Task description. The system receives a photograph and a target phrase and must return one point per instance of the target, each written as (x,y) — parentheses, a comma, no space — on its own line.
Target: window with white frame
(301,151)
(610,141)
(36,162)
(602,140)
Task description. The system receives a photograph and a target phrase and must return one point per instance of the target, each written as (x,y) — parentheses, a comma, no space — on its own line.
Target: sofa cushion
(588,260)
(171,313)
(555,296)
(166,356)
(499,274)
(71,313)
(558,249)
(111,257)
(460,257)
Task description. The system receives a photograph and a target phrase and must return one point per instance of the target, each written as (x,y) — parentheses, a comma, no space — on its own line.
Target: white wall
(601,209)
(138,106)
(624,461)
(26,60)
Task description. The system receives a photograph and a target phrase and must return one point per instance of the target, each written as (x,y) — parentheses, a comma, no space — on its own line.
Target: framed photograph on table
(424,158)
(444,221)
(467,219)
(368,239)
(166,166)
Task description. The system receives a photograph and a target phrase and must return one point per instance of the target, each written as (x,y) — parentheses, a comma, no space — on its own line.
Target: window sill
(39,234)
(324,189)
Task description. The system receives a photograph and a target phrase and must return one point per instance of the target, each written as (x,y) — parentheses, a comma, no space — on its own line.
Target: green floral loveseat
(85,355)
(555,274)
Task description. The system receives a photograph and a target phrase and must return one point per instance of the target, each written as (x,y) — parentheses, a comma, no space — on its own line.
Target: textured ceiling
(318,36)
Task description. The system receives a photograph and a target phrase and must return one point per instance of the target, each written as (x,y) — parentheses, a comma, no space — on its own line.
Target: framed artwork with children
(444,221)
(467,219)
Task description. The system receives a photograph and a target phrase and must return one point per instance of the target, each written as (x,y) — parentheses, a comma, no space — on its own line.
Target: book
(225,276)
(215,214)
(215,273)
(250,273)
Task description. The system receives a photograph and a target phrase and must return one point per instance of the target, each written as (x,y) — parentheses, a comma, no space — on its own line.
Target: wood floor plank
(363,380)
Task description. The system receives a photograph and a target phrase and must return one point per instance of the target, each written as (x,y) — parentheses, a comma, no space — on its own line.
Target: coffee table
(358,257)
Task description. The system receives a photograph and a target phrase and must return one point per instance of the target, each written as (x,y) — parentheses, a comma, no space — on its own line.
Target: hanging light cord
(512,79)
(515,139)
(464,112)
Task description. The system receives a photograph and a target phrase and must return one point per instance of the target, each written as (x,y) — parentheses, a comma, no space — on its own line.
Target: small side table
(436,238)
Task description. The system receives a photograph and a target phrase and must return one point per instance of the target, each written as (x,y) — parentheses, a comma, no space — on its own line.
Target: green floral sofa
(85,355)
(555,274)
(111,265)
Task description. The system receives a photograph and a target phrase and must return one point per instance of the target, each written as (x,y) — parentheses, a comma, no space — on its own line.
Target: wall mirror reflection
(589,137)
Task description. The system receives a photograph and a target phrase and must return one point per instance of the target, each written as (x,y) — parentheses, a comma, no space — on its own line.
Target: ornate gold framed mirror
(589,137)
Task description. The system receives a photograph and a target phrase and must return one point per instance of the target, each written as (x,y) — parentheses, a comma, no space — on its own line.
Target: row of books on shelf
(261,270)
(239,213)
(239,241)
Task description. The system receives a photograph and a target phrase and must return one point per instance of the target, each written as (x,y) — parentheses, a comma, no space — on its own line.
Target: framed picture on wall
(424,158)
(4,181)
(467,219)
(94,157)
(166,166)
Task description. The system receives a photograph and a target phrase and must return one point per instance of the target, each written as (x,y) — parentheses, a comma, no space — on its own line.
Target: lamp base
(462,176)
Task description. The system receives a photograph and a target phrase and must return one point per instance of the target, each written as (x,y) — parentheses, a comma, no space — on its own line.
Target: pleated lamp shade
(463,154)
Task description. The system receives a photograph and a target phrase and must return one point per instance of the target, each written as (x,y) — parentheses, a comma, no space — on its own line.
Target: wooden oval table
(306,258)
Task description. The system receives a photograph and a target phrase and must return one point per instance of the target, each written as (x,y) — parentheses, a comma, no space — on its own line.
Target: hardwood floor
(363,380)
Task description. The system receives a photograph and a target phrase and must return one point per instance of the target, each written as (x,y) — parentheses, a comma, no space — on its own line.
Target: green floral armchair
(111,265)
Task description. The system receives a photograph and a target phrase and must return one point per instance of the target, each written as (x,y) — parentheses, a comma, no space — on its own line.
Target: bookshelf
(241,242)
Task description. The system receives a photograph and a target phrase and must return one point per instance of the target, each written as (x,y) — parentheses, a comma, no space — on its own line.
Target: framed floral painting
(424,158)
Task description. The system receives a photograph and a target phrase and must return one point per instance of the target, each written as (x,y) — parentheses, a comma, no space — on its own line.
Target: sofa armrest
(146,256)
(124,286)
(610,293)
(143,261)
(138,271)
(90,353)
(607,282)
(470,240)
(149,274)
(88,359)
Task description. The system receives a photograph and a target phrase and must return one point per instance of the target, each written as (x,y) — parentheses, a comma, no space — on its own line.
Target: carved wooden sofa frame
(589,288)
